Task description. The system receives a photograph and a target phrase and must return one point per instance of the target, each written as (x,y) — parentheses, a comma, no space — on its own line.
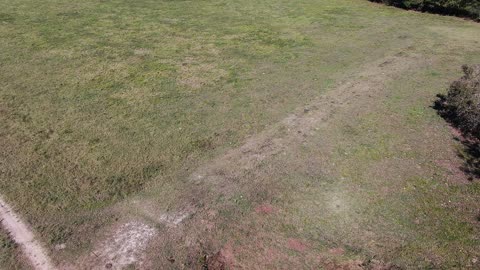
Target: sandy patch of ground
(125,247)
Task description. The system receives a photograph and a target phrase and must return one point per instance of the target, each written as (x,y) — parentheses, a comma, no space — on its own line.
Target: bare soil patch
(124,248)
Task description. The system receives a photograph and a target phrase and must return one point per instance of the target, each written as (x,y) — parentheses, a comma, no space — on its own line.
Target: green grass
(104,100)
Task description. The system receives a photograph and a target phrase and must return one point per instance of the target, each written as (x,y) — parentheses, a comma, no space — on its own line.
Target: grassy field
(103,101)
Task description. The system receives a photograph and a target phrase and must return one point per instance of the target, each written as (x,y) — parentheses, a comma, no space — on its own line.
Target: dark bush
(462,103)
(461,107)
(462,8)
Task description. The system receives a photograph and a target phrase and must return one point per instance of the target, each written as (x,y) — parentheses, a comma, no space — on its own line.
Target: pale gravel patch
(126,247)
(25,238)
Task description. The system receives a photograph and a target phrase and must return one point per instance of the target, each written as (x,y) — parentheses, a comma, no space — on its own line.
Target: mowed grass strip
(100,100)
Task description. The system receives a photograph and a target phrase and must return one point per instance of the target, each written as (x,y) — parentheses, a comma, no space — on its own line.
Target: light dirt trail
(350,96)
(24,237)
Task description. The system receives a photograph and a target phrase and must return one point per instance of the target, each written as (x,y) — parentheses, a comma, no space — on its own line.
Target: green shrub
(463,8)
(463,100)
(461,107)
(462,103)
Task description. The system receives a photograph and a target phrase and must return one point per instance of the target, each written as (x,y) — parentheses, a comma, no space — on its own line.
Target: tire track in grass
(25,238)
(350,94)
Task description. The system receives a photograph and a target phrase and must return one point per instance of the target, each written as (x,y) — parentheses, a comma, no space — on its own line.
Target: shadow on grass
(459,8)
(470,150)
(471,155)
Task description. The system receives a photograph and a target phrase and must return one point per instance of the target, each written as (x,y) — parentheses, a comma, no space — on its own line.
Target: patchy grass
(104,101)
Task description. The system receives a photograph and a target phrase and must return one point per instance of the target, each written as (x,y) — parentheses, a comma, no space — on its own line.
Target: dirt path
(24,237)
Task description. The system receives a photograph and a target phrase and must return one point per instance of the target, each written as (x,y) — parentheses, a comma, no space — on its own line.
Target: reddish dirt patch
(224,259)
(297,245)
(264,209)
